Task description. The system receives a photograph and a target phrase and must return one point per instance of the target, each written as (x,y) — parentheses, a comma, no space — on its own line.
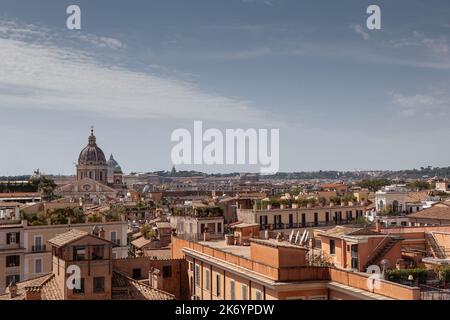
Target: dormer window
(79,253)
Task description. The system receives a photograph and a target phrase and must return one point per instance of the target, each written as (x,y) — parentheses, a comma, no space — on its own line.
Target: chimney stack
(378,226)
(12,288)
(206,235)
(101,233)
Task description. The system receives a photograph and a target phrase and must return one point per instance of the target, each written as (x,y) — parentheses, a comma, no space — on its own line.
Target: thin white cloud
(101,42)
(46,76)
(418,104)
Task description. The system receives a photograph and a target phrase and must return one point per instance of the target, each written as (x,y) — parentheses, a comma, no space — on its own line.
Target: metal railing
(200,236)
(280,226)
(433,293)
(39,248)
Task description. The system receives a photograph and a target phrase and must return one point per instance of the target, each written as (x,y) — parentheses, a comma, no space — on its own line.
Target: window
(332,247)
(232,290)
(13,238)
(97,252)
(99,284)
(113,236)
(167,271)
(12,278)
(258,295)
(38,247)
(81,289)
(38,266)
(218,288)
(244,292)
(219,227)
(12,261)
(207,280)
(79,253)
(197,275)
(137,273)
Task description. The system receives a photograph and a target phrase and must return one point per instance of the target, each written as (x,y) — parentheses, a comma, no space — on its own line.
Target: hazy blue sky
(342,96)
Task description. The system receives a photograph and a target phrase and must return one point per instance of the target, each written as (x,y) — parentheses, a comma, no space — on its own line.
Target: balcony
(40,248)
(116,242)
(281,226)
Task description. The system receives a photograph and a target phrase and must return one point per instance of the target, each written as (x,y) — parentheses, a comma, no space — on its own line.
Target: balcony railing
(278,226)
(116,242)
(39,248)
(200,236)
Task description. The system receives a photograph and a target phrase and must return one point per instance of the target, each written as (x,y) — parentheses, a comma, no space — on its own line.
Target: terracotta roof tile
(67,237)
(126,288)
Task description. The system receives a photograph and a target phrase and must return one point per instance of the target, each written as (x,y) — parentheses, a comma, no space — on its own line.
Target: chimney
(12,288)
(378,226)
(206,235)
(101,233)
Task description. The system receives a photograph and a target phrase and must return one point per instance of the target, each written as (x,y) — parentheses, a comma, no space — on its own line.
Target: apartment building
(24,253)
(438,214)
(358,248)
(12,253)
(92,256)
(9,210)
(397,199)
(301,217)
(443,186)
(21,197)
(270,269)
(400,247)
(195,226)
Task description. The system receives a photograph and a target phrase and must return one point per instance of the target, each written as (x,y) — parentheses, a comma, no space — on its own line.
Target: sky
(343,97)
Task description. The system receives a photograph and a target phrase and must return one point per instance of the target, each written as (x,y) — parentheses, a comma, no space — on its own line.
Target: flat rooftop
(243,251)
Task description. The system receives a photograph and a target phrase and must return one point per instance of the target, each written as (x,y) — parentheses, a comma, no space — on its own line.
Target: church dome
(92,154)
